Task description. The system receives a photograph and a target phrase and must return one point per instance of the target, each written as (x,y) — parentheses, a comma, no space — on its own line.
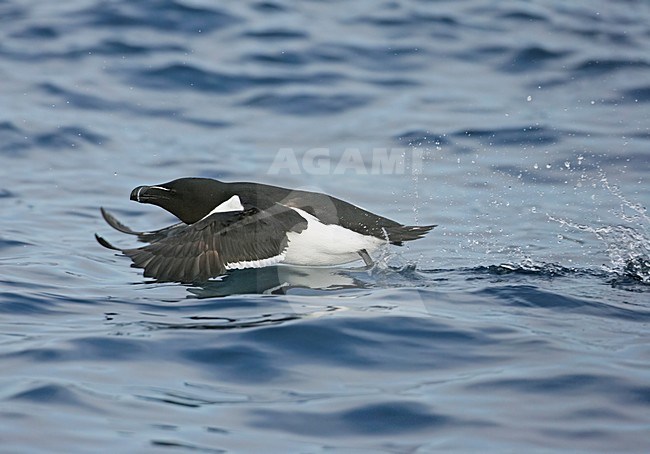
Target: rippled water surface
(521,323)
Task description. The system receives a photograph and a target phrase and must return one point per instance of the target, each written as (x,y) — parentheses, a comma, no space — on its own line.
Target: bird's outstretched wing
(146,237)
(208,248)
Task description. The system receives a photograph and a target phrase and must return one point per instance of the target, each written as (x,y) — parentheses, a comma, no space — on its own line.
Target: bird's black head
(189,199)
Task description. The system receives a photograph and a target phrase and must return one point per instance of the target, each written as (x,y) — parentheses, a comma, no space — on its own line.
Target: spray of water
(628,243)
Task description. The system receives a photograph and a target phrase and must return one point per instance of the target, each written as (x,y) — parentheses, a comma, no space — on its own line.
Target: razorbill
(226,226)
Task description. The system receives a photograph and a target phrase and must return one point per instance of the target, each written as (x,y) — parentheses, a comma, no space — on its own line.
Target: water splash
(627,245)
(530,266)
(639,214)
(628,249)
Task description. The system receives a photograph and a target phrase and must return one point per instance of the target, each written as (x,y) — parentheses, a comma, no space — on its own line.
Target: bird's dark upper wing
(212,245)
(147,237)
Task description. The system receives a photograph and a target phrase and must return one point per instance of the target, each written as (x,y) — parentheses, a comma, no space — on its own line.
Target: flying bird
(226,226)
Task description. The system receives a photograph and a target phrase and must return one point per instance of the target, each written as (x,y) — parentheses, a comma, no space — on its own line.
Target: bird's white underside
(317,245)
(326,244)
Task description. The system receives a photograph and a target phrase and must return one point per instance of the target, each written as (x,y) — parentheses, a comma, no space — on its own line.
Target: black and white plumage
(227,226)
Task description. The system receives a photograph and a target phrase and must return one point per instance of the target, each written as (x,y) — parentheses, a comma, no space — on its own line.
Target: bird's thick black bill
(147,194)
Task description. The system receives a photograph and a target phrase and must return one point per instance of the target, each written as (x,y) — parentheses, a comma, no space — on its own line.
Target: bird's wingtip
(105,243)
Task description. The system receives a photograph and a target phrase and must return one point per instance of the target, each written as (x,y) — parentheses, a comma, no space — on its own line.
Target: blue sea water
(520,324)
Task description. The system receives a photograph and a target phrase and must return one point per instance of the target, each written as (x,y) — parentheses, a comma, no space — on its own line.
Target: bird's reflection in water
(237,305)
(279,280)
(244,313)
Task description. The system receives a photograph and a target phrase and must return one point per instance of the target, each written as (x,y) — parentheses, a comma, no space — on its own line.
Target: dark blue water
(521,323)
